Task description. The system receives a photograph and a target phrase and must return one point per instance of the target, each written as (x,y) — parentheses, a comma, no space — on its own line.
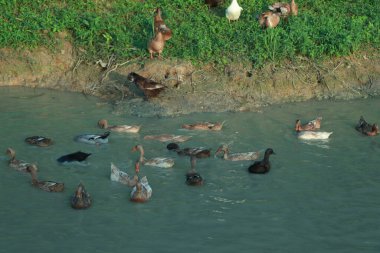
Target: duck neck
(226,154)
(141,149)
(266,157)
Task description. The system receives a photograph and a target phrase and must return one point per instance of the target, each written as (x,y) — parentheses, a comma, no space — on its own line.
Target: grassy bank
(123,27)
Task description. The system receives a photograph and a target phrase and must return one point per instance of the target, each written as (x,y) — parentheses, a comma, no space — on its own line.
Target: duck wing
(363,126)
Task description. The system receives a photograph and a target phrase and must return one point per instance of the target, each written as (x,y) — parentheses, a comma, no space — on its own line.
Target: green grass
(123,27)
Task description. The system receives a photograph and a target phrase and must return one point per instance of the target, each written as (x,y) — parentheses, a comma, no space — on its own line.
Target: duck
(142,191)
(213,3)
(159,25)
(193,178)
(367,129)
(248,156)
(167,137)
(263,166)
(269,19)
(96,139)
(217,126)
(78,156)
(103,123)
(156,44)
(161,162)
(39,141)
(199,152)
(285,9)
(149,87)
(233,11)
(81,199)
(310,126)
(312,135)
(18,165)
(49,186)
(122,177)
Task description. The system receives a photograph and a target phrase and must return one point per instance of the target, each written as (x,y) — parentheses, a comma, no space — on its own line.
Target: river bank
(236,87)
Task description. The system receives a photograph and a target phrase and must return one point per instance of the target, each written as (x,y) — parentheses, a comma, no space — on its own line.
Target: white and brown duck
(285,9)
(269,19)
(15,163)
(162,162)
(247,156)
(142,191)
(213,126)
(103,123)
(120,176)
(312,125)
(39,141)
(49,186)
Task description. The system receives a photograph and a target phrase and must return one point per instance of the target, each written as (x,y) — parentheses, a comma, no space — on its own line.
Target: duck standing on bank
(156,44)
(159,25)
(193,177)
(49,186)
(247,156)
(14,163)
(161,162)
(233,11)
(269,19)
(81,198)
(142,191)
(118,128)
(367,129)
(263,166)
(285,9)
(39,141)
(199,152)
(149,87)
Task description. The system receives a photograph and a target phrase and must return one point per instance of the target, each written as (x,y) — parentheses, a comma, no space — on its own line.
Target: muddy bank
(236,87)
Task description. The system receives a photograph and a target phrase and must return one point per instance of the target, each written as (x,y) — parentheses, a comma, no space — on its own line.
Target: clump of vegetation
(202,35)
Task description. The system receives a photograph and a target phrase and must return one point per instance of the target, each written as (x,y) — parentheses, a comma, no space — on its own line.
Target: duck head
(172,146)
(298,125)
(269,151)
(11,153)
(103,123)
(222,149)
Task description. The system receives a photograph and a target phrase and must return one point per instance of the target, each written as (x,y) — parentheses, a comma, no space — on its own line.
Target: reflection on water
(320,196)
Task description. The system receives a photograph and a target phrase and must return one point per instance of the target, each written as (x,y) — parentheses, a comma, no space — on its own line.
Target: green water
(318,197)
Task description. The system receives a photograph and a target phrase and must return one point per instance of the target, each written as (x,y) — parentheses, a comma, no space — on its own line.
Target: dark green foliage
(123,27)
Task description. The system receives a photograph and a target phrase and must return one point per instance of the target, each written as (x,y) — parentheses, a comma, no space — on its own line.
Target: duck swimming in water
(39,141)
(78,156)
(312,135)
(142,191)
(96,139)
(310,126)
(236,156)
(81,198)
(367,129)
(167,137)
(122,177)
(263,166)
(199,152)
(118,128)
(14,163)
(193,177)
(217,126)
(49,186)
(161,162)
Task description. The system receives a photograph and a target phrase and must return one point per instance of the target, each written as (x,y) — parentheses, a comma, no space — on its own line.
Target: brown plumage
(285,9)
(39,141)
(159,25)
(156,45)
(217,126)
(49,186)
(269,19)
(149,87)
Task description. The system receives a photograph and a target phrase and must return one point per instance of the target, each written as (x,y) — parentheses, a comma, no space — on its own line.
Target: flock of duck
(141,190)
(268,19)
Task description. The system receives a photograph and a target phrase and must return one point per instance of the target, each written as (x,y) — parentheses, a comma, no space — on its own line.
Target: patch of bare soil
(190,89)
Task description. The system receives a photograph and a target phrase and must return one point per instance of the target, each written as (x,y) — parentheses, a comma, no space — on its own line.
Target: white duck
(311,135)
(142,191)
(122,177)
(161,162)
(118,128)
(233,11)
(247,156)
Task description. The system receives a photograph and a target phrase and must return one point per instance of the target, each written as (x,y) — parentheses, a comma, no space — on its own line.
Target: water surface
(319,196)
